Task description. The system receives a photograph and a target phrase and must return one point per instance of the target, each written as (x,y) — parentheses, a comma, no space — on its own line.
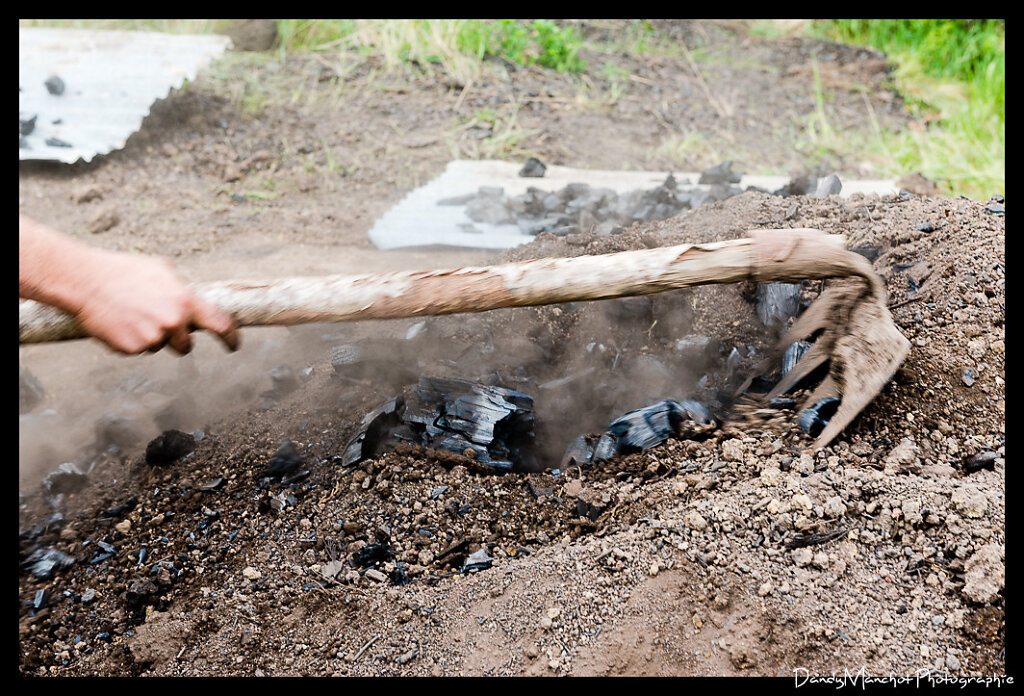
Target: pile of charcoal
(495,426)
(579,207)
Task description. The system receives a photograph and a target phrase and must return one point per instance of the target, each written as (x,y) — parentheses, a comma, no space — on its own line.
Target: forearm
(52,267)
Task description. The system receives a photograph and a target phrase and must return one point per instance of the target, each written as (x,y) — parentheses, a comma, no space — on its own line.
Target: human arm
(131,303)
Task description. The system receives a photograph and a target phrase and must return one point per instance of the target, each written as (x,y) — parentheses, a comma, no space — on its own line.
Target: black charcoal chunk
(27,125)
(54,85)
(719,174)
(828,186)
(286,460)
(871,252)
(478,560)
(777,302)
(533,168)
(499,420)
(580,452)
(695,411)
(57,142)
(372,554)
(977,462)
(372,431)
(647,427)
(169,447)
(792,355)
(42,563)
(814,418)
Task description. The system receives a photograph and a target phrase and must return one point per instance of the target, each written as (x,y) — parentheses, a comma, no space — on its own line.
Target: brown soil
(706,556)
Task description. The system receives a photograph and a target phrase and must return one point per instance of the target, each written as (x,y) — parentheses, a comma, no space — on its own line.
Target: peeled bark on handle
(766,256)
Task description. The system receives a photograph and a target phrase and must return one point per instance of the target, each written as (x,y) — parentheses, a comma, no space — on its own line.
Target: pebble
(970,501)
(984,574)
(251,573)
(952,663)
(803,557)
(376,575)
(733,450)
(124,526)
(765,589)
(695,521)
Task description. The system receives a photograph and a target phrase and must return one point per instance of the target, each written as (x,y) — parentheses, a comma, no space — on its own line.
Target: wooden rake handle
(789,255)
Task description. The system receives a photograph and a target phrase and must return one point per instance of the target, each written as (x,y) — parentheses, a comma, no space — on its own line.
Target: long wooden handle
(767,255)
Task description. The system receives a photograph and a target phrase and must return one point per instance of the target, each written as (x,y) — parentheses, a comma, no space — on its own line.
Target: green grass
(952,76)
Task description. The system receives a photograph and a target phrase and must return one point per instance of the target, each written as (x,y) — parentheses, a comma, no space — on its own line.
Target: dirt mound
(741,552)
(735,549)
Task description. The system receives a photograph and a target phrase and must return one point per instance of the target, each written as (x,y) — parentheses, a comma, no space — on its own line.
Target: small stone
(984,574)
(834,507)
(376,575)
(733,450)
(952,663)
(54,85)
(803,557)
(970,501)
(124,526)
(104,220)
(765,589)
(695,521)
(802,502)
(251,573)
(770,475)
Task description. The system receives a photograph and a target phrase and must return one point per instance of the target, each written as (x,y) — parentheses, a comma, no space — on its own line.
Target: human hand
(139,303)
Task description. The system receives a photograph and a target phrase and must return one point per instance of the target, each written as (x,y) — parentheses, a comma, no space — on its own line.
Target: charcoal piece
(607,447)
(871,251)
(57,142)
(995,209)
(792,355)
(814,418)
(374,428)
(761,385)
(777,302)
(372,554)
(42,563)
(286,460)
(139,593)
(121,509)
(67,478)
(296,477)
(212,484)
(828,186)
(27,125)
(977,462)
(490,211)
(535,226)
(484,415)
(580,452)
(54,85)
(41,599)
(694,411)
(646,427)
(925,227)
(168,447)
(533,168)
(802,185)
(719,174)
(478,560)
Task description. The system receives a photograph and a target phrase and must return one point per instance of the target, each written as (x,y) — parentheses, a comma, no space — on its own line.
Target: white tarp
(111,79)
(418,220)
